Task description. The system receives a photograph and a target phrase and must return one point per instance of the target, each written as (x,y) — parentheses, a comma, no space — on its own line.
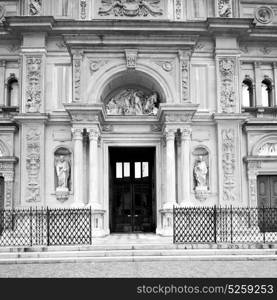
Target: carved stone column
(93,169)
(9,180)
(78,166)
(170,169)
(2,81)
(252,172)
(185,173)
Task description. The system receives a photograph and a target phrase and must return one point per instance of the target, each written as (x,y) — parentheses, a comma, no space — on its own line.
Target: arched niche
(12,91)
(132,93)
(201,172)
(62,173)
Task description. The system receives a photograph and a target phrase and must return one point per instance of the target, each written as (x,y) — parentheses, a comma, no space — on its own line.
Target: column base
(97,223)
(167,222)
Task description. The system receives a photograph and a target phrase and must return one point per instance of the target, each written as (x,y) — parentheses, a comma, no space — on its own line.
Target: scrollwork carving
(225,8)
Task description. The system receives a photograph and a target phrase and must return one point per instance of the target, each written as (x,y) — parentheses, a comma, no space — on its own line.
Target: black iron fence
(34,227)
(225,225)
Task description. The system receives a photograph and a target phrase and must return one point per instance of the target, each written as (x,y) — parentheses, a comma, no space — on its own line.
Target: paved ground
(187,269)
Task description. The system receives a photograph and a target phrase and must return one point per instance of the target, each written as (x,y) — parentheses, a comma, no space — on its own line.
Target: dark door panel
(131,189)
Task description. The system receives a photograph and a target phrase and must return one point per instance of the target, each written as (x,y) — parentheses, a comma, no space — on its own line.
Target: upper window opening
(267,93)
(12,89)
(247,93)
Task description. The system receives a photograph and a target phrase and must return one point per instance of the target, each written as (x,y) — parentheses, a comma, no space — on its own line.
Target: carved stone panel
(130,8)
(131,58)
(268,149)
(83,9)
(227,84)
(33,165)
(34,84)
(133,102)
(225,9)
(77,63)
(228,164)
(35,7)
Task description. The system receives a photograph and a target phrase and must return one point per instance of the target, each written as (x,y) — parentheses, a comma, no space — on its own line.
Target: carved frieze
(227,84)
(228,164)
(33,165)
(33,89)
(133,102)
(225,8)
(130,8)
(131,58)
(35,7)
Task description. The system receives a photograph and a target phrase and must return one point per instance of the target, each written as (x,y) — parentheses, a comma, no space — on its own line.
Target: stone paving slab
(179,269)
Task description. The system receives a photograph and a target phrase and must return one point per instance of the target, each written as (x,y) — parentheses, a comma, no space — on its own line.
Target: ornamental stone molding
(131,58)
(33,165)
(35,7)
(130,8)
(225,9)
(229,164)
(94,134)
(264,14)
(33,90)
(227,84)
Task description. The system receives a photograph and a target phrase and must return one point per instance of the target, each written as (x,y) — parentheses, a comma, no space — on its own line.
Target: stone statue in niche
(130,8)
(133,102)
(63,173)
(201,173)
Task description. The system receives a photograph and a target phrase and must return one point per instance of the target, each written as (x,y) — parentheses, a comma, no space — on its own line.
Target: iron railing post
(264,228)
(31,227)
(231,216)
(215,221)
(47,226)
(90,225)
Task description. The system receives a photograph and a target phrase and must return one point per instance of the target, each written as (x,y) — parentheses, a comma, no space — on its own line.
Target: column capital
(93,134)
(2,63)
(169,133)
(186,133)
(77,133)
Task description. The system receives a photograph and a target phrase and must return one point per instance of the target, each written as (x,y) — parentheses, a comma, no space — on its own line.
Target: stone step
(135,253)
(140,259)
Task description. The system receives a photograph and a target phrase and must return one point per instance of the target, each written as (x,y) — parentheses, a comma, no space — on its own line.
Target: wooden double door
(267,191)
(132,190)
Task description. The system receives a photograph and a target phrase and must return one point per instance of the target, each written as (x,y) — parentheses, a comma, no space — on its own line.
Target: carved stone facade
(229,164)
(33,90)
(33,165)
(227,84)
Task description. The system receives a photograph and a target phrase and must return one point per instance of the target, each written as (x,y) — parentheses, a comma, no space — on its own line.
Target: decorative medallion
(264,14)
(130,8)
(133,102)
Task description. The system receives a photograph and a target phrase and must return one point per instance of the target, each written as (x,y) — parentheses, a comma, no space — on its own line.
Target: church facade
(131,107)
